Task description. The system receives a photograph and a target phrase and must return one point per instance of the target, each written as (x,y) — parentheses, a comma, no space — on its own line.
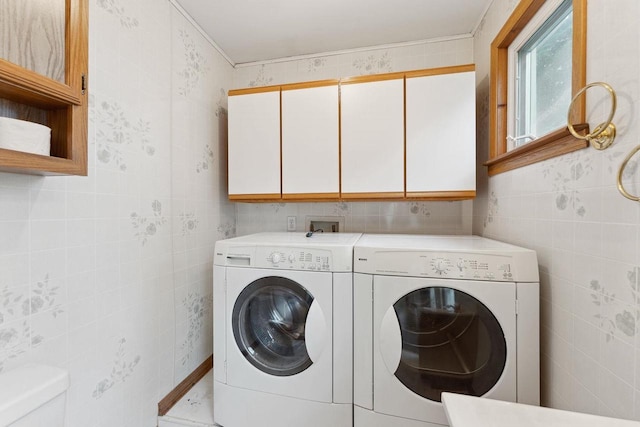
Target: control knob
(440,266)
(275,258)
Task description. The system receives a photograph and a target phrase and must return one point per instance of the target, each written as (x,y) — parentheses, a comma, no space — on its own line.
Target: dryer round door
(450,342)
(269,319)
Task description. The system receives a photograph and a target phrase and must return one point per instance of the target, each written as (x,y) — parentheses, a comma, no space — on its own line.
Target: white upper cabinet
(441,133)
(254,144)
(310,141)
(397,136)
(372,146)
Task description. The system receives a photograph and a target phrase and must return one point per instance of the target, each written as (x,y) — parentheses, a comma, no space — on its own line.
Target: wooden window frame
(555,143)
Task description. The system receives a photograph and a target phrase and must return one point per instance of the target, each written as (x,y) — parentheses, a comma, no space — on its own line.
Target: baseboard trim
(181,389)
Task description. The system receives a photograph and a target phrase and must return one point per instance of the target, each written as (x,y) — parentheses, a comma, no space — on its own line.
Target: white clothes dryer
(437,314)
(283,330)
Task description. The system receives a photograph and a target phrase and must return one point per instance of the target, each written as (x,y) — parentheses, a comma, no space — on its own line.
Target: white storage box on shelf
(28,137)
(33,396)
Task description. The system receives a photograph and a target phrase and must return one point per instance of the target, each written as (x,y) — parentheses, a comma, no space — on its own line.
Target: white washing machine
(283,330)
(441,313)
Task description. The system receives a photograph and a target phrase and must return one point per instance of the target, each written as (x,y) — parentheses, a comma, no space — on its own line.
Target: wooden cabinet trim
(373,196)
(441,195)
(254,197)
(372,78)
(311,197)
(442,70)
(250,90)
(309,85)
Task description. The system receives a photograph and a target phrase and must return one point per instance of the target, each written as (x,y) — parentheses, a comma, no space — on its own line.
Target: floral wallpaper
(565,182)
(16,306)
(147,226)
(116,8)
(261,79)
(316,64)
(122,369)
(116,133)
(15,340)
(615,320)
(198,308)
(207,159)
(195,66)
(373,64)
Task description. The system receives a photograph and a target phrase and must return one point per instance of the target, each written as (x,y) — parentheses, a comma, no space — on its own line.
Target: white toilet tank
(33,396)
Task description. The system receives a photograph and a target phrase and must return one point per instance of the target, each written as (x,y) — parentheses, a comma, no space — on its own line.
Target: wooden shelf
(19,162)
(25,86)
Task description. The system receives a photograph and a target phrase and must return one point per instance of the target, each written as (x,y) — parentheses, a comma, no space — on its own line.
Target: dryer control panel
(456,265)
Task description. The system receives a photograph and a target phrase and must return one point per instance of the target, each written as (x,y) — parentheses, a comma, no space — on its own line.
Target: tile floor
(195,409)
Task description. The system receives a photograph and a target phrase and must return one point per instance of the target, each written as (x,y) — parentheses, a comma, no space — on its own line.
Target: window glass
(543,87)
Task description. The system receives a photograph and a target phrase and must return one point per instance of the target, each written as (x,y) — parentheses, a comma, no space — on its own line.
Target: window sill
(548,146)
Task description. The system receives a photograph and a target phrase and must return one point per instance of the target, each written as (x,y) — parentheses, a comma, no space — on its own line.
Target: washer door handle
(390,340)
(315,331)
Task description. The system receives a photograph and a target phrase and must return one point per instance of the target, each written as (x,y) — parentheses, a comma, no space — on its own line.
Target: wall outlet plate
(291,223)
(328,224)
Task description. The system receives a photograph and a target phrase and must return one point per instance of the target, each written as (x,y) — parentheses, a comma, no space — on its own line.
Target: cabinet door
(441,135)
(254,145)
(372,147)
(310,147)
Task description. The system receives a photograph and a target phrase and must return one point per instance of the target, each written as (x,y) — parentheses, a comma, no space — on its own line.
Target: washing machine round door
(269,318)
(450,342)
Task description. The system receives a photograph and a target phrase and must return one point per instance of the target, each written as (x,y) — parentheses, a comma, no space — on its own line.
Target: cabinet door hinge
(84,83)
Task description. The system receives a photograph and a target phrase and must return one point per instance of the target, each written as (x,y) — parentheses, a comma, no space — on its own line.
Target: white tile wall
(586,234)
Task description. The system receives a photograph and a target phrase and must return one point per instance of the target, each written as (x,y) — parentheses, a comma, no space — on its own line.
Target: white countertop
(470,411)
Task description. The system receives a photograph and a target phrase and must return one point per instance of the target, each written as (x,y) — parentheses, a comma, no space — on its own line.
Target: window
(541,84)
(537,64)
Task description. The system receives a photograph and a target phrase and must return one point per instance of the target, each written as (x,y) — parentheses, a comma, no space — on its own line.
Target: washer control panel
(286,258)
(294,259)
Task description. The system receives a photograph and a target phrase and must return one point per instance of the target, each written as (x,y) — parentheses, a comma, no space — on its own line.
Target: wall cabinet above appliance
(310,141)
(372,137)
(43,79)
(440,133)
(254,144)
(395,136)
